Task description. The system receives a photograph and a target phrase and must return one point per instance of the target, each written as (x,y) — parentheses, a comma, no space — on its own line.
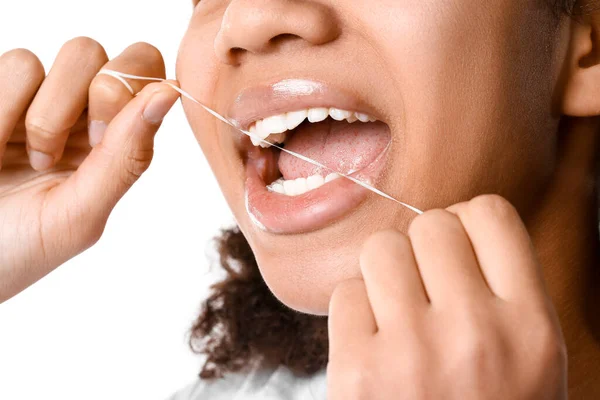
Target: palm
(19,180)
(24,192)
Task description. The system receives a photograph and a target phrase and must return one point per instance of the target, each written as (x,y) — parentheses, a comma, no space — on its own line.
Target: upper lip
(259,102)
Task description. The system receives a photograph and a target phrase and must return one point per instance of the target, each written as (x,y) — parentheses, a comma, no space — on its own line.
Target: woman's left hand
(456,309)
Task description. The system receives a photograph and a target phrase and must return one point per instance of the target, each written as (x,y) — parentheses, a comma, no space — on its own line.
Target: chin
(303,269)
(305,282)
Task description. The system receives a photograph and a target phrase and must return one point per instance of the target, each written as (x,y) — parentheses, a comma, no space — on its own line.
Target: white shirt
(258,384)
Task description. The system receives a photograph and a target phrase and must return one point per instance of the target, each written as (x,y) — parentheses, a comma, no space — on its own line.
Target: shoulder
(259,383)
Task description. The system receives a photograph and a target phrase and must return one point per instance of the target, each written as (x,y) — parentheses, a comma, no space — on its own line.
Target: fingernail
(40,161)
(158,106)
(96,132)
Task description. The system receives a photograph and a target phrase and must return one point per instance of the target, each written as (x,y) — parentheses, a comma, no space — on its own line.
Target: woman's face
(463,92)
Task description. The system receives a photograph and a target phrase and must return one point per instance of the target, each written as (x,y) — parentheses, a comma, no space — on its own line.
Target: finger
(19,134)
(503,247)
(21,74)
(446,260)
(350,319)
(61,100)
(108,96)
(391,277)
(117,162)
(16,155)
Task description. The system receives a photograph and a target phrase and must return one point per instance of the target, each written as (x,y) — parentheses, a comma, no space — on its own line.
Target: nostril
(236,51)
(255,27)
(284,37)
(234,55)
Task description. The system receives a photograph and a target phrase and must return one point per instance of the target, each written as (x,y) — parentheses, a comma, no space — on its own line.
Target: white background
(112,323)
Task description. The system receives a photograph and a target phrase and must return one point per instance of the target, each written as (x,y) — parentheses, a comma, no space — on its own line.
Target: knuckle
(343,293)
(471,350)
(19,56)
(23,60)
(477,346)
(41,129)
(457,208)
(474,357)
(147,52)
(154,87)
(428,222)
(84,44)
(548,345)
(492,204)
(384,238)
(87,48)
(478,359)
(108,90)
(346,289)
(135,164)
(412,366)
(381,242)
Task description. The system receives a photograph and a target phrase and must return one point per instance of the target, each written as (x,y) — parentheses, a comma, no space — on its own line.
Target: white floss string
(121,78)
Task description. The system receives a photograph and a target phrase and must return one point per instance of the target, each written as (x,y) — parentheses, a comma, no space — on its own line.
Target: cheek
(198,73)
(197,69)
(476,80)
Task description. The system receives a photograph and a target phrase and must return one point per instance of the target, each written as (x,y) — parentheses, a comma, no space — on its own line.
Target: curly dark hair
(242,321)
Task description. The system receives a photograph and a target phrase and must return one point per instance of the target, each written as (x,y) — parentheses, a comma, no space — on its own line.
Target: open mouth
(285,194)
(322,134)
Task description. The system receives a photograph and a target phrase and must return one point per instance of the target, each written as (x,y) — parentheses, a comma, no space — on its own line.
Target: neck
(564,230)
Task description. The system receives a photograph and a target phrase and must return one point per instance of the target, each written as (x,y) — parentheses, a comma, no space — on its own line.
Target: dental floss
(118,76)
(122,76)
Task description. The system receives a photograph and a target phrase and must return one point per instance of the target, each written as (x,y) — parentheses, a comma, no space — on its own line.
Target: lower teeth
(296,187)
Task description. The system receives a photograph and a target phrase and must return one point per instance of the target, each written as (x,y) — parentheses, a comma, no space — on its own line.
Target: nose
(256,26)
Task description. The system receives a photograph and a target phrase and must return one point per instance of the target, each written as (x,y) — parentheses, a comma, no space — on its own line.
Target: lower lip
(314,210)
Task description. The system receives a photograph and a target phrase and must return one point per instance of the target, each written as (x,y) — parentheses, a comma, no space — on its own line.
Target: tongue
(339,145)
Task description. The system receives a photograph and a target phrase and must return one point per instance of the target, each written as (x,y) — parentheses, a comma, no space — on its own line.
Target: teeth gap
(299,186)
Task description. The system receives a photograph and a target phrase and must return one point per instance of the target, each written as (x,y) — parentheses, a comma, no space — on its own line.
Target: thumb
(117,162)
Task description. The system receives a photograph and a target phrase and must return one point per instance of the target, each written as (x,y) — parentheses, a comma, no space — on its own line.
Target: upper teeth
(276,126)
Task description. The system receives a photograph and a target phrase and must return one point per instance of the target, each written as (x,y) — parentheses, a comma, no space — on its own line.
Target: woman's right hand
(455,309)
(60,180)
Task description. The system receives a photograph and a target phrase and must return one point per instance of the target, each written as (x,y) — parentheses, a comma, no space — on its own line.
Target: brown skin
(506,144)
(57,209)
(490,334)
(537,149)
(523,137)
